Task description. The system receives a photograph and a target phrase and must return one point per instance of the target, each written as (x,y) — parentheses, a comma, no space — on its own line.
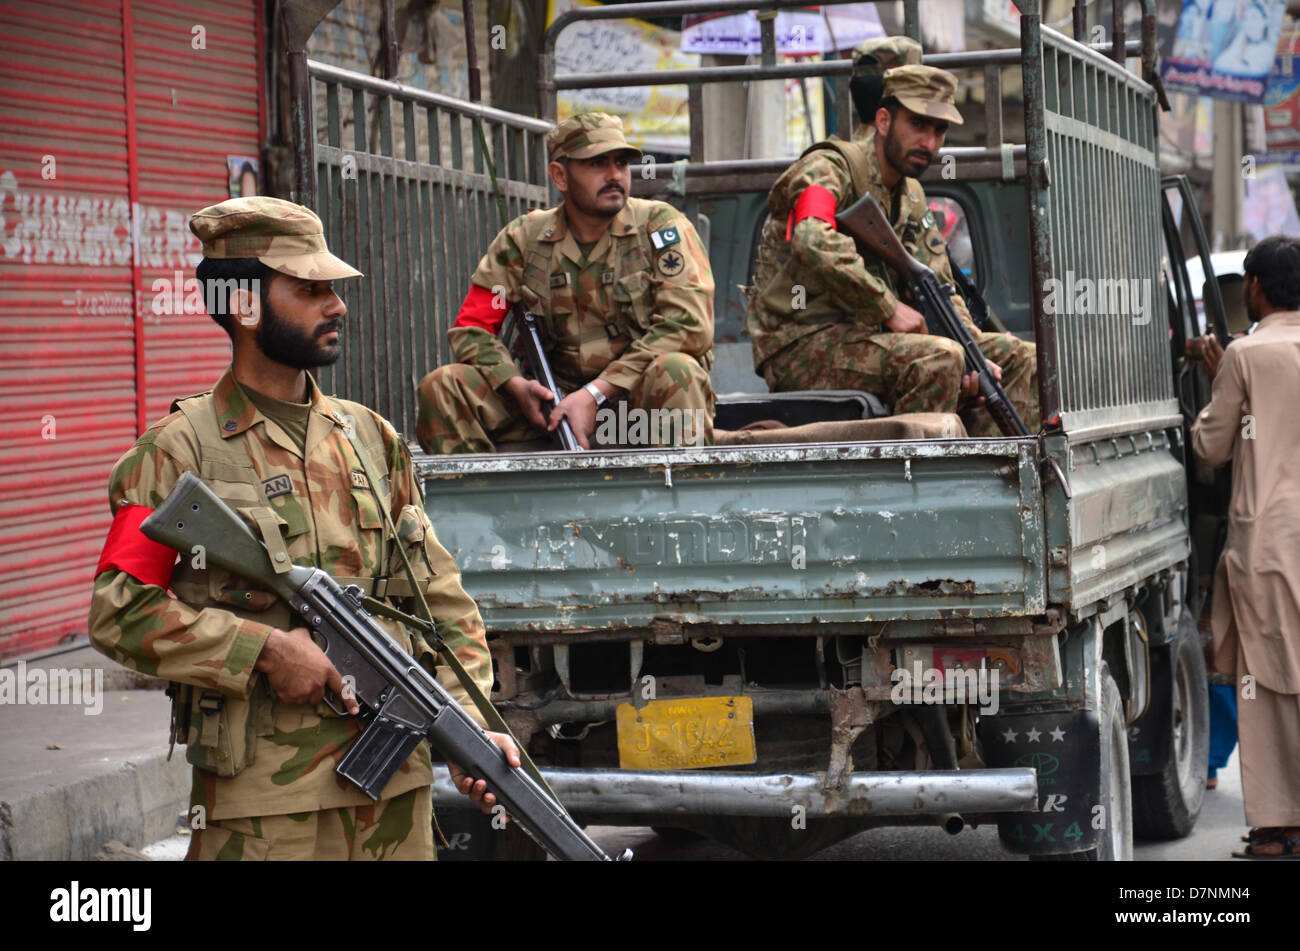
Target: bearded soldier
(622,287)
(312,476)
(821,316)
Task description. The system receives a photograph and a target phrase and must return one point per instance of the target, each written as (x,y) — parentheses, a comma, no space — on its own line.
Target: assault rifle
(528,337)
(401,702)
(866,223)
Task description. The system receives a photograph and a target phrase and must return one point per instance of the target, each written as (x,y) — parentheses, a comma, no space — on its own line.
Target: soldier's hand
(580,410)
(907,320)
(298,671)
(970,383)
(528,396)
(476,789)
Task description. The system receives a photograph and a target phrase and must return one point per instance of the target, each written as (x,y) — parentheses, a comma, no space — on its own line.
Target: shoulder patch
(665,237)
(670,263)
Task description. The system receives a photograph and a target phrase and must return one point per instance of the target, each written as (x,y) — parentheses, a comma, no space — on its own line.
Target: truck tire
(1166,804)
(1114,783)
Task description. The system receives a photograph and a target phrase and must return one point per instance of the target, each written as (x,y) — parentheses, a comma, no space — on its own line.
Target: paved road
(1216,834)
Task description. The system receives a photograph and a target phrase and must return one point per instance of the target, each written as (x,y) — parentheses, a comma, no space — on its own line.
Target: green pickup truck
(778,642)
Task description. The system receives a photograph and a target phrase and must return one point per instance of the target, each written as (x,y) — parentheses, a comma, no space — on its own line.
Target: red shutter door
(67,367)
(194,107)
(81,366)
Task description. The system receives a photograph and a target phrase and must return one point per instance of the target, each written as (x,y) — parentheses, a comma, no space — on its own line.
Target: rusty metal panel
(77,339)
(858,532)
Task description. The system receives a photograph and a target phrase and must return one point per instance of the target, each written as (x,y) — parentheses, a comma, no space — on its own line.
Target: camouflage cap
(587,134)
(885,52)
(285,237)
(925,90)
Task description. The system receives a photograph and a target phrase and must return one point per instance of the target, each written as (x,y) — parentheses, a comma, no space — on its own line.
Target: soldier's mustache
(328,327)
(612,187)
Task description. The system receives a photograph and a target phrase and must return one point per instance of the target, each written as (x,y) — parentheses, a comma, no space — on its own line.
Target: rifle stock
(866,223)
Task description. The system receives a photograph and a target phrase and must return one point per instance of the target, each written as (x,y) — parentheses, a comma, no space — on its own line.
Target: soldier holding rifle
(824,316)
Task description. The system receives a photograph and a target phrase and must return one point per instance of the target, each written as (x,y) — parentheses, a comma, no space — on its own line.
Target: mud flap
(1065,750)
(1151,737)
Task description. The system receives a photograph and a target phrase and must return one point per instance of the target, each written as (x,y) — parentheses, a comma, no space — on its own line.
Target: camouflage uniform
(263,768)
(837,338)
(637,311)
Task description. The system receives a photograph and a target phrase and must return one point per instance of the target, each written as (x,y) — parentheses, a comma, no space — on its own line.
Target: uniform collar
(236,412)
(556,230)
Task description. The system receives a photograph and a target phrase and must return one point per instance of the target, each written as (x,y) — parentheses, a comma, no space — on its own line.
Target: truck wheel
(1115,791)
(1166,804)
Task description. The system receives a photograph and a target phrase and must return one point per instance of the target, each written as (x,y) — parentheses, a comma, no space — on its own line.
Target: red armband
(813,202)
(127,549)
(482,309)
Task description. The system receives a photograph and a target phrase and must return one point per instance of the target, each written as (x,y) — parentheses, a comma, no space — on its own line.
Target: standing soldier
(312,477)
(622,287)
(822,317)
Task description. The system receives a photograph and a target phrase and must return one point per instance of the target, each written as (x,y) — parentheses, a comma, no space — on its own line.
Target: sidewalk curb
(137,803)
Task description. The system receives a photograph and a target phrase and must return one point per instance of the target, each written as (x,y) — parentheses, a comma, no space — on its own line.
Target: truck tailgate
(744,535)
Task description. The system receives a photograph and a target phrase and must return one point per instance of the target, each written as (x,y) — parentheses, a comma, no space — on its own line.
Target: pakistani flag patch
(664,237)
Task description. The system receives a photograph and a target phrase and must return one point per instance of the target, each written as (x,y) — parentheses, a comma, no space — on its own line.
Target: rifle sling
(429,627)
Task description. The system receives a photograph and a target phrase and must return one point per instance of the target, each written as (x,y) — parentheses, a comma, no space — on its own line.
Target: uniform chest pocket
(368,515)
(634,299)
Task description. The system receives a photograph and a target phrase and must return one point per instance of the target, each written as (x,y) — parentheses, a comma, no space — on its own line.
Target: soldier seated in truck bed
(822,317)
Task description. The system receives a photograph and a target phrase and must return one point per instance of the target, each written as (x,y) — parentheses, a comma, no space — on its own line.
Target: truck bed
(744,536)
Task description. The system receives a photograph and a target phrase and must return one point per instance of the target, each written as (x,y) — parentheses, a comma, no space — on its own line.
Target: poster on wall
(810,30)
(1267,206)
(1225,48)
(243,175)
(655,118)
(1282,99)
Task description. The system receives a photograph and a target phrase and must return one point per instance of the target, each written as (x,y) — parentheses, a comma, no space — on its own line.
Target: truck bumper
(596,792)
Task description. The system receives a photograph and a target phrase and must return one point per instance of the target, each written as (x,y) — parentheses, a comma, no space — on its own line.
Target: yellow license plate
(687,734)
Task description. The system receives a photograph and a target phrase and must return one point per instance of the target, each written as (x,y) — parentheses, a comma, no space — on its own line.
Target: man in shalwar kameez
(1253,421)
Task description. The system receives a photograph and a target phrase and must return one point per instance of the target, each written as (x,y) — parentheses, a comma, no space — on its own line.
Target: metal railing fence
(404,189)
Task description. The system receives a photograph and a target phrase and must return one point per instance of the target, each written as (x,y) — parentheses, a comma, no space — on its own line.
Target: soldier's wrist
(272,651)
(506,377)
